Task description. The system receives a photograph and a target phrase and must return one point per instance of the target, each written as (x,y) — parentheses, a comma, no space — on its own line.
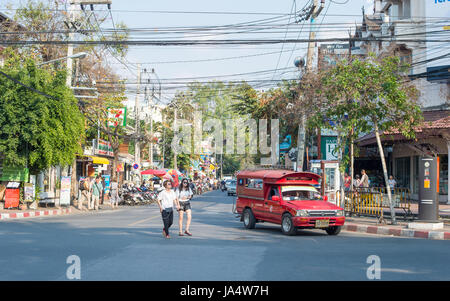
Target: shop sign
(104,148)
(12,198)
(64,196)
(329,148)
(117,116)
(14,174)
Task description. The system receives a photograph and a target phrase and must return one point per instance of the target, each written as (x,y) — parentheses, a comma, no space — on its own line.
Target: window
(443,174)
(402,172)
(241,182)
(273,192)
(406,9)
(300,193)
(416,174)
(255,183)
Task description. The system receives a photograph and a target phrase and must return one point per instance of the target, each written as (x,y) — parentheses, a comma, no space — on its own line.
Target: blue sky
(141,14)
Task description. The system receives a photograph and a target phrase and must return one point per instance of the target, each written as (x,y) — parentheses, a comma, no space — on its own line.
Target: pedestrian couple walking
(178,198)
(92,190)
(90,193)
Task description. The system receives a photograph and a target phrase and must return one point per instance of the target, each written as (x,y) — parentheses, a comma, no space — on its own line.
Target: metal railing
(371,201)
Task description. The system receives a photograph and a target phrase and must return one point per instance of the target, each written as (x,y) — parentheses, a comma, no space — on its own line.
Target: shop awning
(99,160)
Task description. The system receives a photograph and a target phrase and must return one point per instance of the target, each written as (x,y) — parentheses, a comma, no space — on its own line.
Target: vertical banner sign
(117,116)
(64,197)
(28,193)
(107,179)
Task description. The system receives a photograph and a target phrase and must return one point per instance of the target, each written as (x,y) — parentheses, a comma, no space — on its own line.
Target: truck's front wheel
(287,225)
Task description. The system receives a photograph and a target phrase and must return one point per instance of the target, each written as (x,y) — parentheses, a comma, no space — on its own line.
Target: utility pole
(175,125)
(315,11)
(70,46)
(73,176)
(137,149)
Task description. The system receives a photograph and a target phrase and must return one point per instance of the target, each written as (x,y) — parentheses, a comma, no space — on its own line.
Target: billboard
(117,116)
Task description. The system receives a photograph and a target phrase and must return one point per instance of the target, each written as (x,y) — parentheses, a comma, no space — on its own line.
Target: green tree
(371,94)
(37,131)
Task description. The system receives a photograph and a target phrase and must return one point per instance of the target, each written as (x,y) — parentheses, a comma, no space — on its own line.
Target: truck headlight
(302,213)
(339,212)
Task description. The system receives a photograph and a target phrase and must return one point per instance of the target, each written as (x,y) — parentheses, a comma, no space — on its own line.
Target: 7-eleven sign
(117,116)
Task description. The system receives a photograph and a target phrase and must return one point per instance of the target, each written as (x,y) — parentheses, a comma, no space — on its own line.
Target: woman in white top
(166,201)
(184,195)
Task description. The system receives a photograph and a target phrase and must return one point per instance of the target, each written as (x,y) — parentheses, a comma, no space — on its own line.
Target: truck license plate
(322,223)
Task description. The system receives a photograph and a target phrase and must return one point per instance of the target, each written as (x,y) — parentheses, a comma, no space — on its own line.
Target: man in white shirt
(166,200)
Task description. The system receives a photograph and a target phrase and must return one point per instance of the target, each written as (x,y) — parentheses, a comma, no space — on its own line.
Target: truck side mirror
(275,198)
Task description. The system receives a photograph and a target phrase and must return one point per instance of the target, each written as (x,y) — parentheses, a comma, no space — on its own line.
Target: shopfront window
(416,174)
(402,172)
(443,174)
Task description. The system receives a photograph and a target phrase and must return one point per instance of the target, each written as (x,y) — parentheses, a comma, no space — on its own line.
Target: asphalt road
(127,244)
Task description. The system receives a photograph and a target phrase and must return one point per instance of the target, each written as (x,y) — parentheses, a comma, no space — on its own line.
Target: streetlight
(78,55)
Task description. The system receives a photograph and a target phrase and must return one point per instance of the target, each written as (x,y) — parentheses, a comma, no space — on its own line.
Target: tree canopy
(38,131)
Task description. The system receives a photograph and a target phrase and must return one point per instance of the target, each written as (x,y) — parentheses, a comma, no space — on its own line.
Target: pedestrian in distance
(392,183)
(357,182)
(84,193)
(166,201)
(184,195)
(364,180)
(347,182)
(97,189)
(114,193)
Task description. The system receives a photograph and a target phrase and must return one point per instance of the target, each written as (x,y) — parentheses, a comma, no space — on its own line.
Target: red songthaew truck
(286,198)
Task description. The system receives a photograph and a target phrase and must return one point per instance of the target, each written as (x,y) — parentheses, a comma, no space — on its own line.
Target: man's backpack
(83,185)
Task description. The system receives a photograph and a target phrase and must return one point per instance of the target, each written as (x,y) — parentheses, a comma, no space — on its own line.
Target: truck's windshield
(300,193)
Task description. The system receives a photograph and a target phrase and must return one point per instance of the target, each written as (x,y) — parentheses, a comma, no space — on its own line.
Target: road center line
(143,220)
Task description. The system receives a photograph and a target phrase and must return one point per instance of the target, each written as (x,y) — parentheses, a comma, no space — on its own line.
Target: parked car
(286,198)
(231,187)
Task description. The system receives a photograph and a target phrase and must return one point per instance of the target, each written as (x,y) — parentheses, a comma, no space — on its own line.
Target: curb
(410,233)
(18,215)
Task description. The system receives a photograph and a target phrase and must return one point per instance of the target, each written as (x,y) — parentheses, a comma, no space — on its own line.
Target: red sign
(12,197)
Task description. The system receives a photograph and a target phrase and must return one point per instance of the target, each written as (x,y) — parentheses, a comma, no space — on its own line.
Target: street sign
(135,166)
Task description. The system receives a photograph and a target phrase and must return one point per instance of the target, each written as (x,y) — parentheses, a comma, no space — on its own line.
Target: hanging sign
(117,116)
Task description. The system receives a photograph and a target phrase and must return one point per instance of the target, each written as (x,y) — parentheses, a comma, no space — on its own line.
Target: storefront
(432,138)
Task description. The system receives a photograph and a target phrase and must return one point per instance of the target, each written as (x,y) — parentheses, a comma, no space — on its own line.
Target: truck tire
(334,230)
(287,225)
(248,218)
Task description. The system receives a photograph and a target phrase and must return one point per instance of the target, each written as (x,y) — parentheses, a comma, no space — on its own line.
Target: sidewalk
(370,226)
(8,214)
(15,214)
